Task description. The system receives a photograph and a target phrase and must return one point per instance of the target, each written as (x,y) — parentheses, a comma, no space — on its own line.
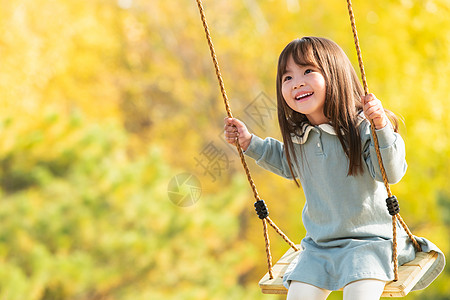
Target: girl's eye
(286,78)
(307,71)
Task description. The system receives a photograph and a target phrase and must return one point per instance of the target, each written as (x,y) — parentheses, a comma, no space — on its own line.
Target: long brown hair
(342,97)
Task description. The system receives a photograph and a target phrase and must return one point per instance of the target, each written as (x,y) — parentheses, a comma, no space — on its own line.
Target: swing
(405,276)
(408,274)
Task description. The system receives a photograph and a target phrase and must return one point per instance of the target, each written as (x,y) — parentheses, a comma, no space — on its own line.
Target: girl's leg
(366,289)
(300,290)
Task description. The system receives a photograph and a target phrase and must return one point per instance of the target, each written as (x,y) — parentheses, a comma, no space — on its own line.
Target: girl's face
(303,89)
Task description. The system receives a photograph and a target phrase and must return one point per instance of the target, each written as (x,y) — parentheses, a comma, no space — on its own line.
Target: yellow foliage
(104,102)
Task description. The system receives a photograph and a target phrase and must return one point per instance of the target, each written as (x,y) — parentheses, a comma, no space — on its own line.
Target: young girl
(327,145)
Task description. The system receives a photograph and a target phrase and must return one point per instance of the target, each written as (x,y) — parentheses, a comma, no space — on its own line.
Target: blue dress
(349,231)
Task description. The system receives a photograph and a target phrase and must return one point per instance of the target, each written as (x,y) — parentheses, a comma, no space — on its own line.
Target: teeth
(303,96)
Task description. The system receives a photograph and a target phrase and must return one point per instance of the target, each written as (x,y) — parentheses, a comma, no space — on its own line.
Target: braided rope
(408,232)
(278,230)
(374,136)
(214,58)
(247,171)
(366,91)
(394,246)
(377,150)
(267,241)
(238,147)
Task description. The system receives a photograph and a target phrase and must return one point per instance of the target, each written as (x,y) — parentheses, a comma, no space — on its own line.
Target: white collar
(303,132)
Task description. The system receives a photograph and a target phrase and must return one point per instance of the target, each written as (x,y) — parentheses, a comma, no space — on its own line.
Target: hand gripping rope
(260,206)
(391,201)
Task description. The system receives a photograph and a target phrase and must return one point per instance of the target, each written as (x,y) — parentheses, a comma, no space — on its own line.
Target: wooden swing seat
(409,274)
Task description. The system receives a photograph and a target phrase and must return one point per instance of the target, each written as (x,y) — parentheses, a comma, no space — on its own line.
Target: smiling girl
(327,145)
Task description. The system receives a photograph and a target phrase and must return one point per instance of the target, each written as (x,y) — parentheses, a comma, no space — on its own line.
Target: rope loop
(261,209)
(392,205)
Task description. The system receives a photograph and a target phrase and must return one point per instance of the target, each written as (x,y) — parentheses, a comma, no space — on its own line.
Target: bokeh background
(115,181)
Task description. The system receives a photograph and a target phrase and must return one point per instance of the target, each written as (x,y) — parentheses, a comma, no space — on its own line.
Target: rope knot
(392,205)
(261,209)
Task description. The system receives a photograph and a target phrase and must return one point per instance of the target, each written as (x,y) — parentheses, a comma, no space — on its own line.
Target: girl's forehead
(297,62)
(291,64)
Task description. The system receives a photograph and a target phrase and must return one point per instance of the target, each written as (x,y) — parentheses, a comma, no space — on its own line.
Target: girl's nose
(298,85)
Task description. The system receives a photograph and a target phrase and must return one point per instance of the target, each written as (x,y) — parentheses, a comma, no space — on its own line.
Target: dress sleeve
(269,154)
(392,149)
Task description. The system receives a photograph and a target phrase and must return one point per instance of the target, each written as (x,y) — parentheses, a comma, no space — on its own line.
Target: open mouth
(303,96)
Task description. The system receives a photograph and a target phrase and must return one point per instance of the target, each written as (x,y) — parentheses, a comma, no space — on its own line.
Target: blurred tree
(103,102)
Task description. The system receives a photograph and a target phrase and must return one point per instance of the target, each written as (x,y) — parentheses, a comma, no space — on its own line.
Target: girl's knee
(366,289)
(300,290)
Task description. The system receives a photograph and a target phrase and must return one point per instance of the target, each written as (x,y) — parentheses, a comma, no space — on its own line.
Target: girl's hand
(235,129)
(373,110)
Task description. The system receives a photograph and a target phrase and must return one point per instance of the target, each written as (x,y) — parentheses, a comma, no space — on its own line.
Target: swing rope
(391,199)
(264,217)
(260,205)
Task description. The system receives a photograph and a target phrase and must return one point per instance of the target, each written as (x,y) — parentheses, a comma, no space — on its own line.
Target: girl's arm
(268,153)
